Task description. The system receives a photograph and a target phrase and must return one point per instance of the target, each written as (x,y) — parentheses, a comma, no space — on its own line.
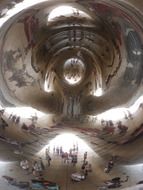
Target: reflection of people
(48,158)
(24,165)
(24,126)
(41,163)
(48,150)
(109,166)
(36,169)
(87,169)
(74,159)
(122,128)
(141,106)
(84,156)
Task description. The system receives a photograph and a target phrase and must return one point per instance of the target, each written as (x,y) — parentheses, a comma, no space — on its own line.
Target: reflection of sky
(98,92)
(24,112)
(119,113)
(113,114)
(65,11)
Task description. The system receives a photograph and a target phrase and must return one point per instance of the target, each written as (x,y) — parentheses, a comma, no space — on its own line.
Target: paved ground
(60,172)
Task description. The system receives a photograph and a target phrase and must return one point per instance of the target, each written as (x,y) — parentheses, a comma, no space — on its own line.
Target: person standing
(36,169)
(41,164)
(84,156)
(48,158)
(74,159)
(25,165)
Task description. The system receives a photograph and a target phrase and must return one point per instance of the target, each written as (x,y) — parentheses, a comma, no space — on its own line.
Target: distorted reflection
(24,112)
(67,141)
(65,11)
(74,70)
(79,64)
(98,92)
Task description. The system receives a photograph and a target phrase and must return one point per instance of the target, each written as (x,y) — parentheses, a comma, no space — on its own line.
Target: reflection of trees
(11,63)
(21,77)
(10,58)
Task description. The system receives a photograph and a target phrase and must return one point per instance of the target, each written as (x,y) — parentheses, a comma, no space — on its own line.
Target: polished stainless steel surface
(85,68)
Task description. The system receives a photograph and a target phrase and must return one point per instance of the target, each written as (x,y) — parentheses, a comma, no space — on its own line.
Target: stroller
(115,182)
(44,185)
(77,177)
(14,182)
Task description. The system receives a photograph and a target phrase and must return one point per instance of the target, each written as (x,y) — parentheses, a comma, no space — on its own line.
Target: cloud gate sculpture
(80,62)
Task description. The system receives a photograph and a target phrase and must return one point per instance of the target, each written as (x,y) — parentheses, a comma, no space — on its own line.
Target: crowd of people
(14,118)
(39,165)
(109,127)
(72,157)
(25,126)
